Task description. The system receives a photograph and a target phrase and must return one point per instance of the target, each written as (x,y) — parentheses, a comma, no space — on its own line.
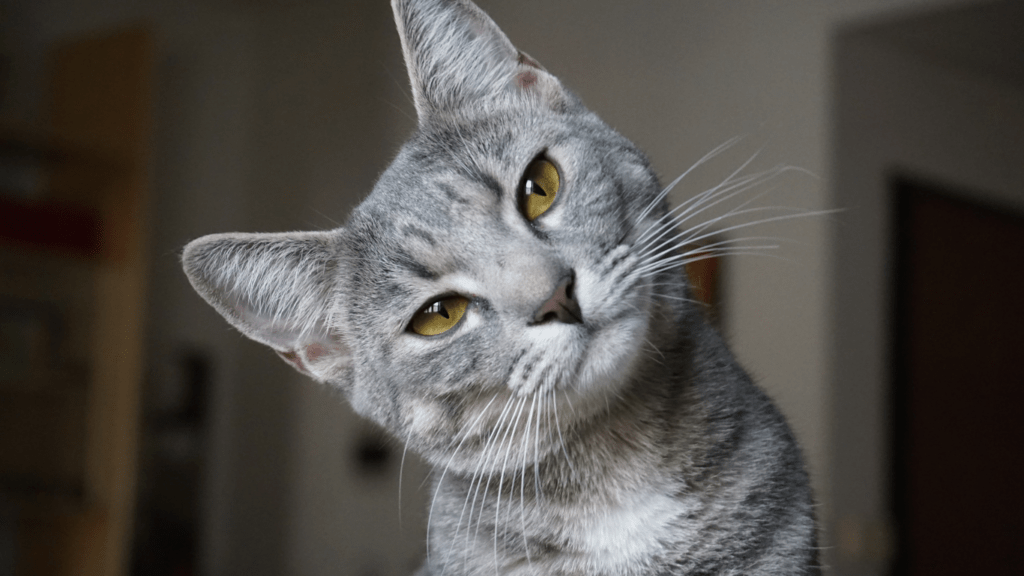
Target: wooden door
(958,490)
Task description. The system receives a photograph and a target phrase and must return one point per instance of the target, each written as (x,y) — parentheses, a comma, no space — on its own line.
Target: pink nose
(561,305)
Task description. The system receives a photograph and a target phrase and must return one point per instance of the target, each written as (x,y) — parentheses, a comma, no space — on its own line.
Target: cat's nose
(561,306)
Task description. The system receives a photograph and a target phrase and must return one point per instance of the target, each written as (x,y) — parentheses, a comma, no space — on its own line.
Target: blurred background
(140,435)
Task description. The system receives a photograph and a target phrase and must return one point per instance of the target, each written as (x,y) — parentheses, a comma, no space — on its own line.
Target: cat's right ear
(457,56)
(276,289)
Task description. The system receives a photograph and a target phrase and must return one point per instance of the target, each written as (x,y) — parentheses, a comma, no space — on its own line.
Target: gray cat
(509,301)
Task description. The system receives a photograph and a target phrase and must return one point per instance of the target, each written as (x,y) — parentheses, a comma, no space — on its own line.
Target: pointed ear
(456,55)
(276,289)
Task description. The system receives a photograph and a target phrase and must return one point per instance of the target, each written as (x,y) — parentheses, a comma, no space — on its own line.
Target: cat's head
(493,271)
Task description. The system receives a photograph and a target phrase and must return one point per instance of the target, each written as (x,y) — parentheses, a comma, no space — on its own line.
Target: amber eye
(439,316)
(540,186)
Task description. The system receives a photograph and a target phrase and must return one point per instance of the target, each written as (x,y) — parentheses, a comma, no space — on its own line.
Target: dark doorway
(958,469)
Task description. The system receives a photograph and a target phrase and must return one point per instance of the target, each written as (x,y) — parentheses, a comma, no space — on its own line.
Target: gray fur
(630,443)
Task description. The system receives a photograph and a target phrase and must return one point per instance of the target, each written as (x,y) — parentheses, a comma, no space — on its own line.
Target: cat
(509,301)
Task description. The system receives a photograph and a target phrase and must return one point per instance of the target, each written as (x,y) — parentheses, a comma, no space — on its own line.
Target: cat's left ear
(457,56)
(276,289)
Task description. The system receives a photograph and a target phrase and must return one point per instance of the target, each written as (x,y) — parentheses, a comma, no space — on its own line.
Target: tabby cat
(510,302)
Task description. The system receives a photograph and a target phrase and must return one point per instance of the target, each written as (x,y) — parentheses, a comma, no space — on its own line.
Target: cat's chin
(610,357)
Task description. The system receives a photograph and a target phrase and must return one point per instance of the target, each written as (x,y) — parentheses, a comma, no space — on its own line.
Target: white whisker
(735,188)
(401,470)
(661,196)
(509,435)
(701,254)
(437,490)
(536,452)
(522,479)
(723,188)
(681,263)
(693,245)
(477,479)
(561,439)
(800,214)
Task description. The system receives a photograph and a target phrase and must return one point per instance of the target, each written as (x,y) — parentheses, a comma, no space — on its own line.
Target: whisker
(722,188)
(734,188)
(661,196)
(728,194)
(791,216)
(478,476)
(699,232)
(697,255)
(561,439)
(440,480)
(679,264)
(401,470)
(694,246)
(536,453)
(522,479)
(501,479)
(655,348)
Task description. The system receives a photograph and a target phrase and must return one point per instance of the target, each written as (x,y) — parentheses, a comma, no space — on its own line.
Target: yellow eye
(440,316)
(540,186)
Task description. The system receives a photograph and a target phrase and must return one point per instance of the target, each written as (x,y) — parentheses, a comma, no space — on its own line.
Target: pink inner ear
(315,351)
(526,80)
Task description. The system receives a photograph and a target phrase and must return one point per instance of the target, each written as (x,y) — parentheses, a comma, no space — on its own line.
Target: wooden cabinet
(72,295)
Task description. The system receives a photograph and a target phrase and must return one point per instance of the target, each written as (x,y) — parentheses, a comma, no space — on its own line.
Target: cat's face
(489,278)
(451,220)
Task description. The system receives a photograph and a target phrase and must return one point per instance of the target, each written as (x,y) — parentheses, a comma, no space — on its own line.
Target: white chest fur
(618,539)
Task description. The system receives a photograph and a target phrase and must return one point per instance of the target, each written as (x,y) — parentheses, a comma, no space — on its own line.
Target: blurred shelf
(72,286)
(53,226)
(35,215)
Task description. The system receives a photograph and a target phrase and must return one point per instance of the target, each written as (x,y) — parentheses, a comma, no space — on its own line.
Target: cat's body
(509,302)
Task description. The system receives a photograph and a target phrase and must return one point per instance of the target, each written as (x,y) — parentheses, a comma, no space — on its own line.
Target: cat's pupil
(438,308)
(539,188)
(534,188)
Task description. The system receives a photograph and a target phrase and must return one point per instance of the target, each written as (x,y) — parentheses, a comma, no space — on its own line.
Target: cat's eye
(439,316)
(540,186)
